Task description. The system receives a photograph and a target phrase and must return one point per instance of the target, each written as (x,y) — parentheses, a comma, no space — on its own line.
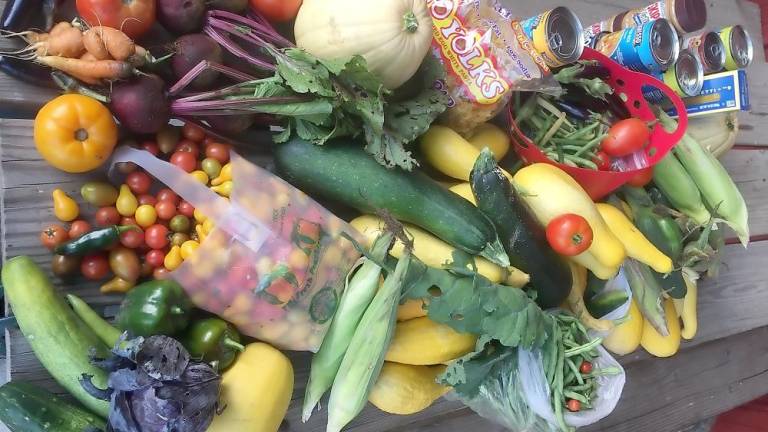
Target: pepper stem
(410,22)
(231,343)
(124,228)
(176,310)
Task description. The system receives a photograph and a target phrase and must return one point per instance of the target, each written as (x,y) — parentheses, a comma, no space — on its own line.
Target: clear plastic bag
(486,58)
(616,283)
(275,263)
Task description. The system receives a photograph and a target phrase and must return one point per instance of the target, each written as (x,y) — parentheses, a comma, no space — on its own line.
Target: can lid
(565,34)
(741,46)
(690,15)
(689,73)
(664,43)
(713,51)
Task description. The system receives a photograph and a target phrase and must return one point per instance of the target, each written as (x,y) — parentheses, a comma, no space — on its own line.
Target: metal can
(686,15)
(650,48)
(738,47)
(557,35)
(686,78)
(709,48)
(597,30)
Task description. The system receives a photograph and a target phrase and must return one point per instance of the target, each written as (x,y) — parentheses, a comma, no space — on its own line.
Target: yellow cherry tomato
(75,133)
(224,176)
(224,189)
(199,216)
(126,202)
(201,235)
(64,207)
(200,176)
(173,258)
(188,248)
(146,215)
(208,226)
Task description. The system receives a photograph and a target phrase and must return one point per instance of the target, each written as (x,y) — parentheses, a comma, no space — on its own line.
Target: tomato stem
(81,134)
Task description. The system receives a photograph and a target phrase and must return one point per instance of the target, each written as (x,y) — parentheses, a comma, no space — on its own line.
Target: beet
(230,125)
(140,104)
(234,6)
(181,16)
(191,49)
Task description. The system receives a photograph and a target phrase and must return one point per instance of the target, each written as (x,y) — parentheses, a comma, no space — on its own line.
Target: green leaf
(303,73)
(468,373)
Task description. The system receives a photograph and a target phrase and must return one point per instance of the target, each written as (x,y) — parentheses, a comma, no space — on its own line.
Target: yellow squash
(437,253)
(686,309)
(421,341)
(491,136)
(449,152)
(625,338)
(658,345)
(549,192)
(412,308)
(575,301)
(637,246)
(464,190)
(256,391)
(406,389)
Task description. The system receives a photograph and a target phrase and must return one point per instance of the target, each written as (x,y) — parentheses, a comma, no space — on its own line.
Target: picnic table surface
(723,367)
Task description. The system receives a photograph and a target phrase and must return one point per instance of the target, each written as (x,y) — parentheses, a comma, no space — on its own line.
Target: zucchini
(523,239)
(25,407)
(605,302)
(344,172)
(59,339)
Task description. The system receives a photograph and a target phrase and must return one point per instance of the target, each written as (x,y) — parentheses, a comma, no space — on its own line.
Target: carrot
(59,27)
(95,46)
(116,43)
(87,70)
(88,57)
(63,40)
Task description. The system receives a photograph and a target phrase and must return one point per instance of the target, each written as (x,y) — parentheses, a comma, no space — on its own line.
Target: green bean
(573,395)
(583,131)
(603,372)
(575,369)
(592,144)
(527,109)
(570,343)
(543,129)
(584,348)
(582,387)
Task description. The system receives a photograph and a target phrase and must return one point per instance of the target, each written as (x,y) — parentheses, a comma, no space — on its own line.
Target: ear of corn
(679,188)
(365,356)
(358,294)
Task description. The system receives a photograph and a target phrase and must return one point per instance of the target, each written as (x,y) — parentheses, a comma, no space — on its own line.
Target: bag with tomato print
(276,261)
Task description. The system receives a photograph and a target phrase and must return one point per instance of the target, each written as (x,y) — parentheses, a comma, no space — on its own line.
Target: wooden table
(726,365)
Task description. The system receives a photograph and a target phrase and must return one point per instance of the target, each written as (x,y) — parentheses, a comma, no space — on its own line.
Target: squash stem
(410,22)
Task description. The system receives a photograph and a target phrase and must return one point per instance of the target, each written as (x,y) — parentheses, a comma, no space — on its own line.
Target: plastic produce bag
(616,283)
(275,263)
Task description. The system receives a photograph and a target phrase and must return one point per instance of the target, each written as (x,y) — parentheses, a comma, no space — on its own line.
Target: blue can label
(530,24)
(631,48)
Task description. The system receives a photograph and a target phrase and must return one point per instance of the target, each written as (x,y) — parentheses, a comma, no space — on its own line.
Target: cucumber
(606,302)
(28,408)
(344,172)
(58,338)
(523,238)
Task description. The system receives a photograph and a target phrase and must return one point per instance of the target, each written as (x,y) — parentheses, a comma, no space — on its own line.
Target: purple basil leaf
(152,412)
(131,379)
(121,418)
(162,358)
(86,382)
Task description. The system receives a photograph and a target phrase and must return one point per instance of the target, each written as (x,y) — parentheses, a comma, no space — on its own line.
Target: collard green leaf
(468,373)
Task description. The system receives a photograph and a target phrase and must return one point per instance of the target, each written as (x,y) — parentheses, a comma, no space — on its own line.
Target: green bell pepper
(214,341)
(153,308)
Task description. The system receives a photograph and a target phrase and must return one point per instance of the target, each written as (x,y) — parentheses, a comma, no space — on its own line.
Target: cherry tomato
(569,234)
(186,209)
(161,273)
(178,239)
(146,215)
(132,239)
(126,167)
(156,236)
(151,147)
(573,405)
(94,267)
(184,160)
(166,194)
(65,266)
(139,182)
(133,17)
(78,228)
(53,235)
(146,199)
(642,178)
(106,216)
(188,146)
(218,151)
(626,137)
(602,160)
(585,367)
(165,209)
(277,10)
(155,258)
(192,132)
(180,224)
(125,221)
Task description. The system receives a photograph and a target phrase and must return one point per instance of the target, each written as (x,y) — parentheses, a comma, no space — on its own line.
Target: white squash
(392,35)
(716,133)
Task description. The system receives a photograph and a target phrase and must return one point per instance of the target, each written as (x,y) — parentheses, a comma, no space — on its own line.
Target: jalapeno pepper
(154,308)
(93,241)
(214,341)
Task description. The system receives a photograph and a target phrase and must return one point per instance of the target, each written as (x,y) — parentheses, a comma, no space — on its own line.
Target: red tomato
(184,160)
(166,194)
(192,132)
(156,236)
(146,199)
(585,367)
(569,234)
(151,147)
(217,151)
(155,258)
(138,182)
(132,239)
(53,235)
(277,10)
(128,220)
(161,273)
(626,137)
(602,160)
(166,210)
(94,267)
(186,209)
(78,228)
(133,17)
(642,178)
(107,216)
(189,146)
(573,405)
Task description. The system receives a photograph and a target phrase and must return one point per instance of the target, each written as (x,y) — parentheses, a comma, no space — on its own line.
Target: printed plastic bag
(536,389)
(275,264)
(486,56)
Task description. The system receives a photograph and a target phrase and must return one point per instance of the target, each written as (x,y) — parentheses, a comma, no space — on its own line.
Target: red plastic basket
(599,184)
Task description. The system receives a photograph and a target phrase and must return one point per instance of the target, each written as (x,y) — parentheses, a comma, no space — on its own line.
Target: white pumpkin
(392,35)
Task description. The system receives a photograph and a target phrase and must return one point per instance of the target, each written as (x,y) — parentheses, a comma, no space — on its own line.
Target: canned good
(557,35)
(709,48)
(738,47)
(597,30)
(686,15)
(686,78)
(650,48)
